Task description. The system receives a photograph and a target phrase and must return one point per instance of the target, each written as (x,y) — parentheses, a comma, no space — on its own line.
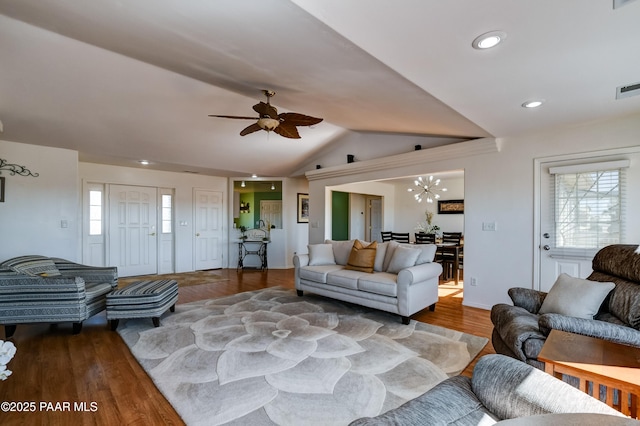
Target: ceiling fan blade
(287,130)
(266,110)
(295,119)
(233,116)
(250,129)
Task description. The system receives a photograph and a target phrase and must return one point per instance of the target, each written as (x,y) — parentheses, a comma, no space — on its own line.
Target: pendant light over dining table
(427,189)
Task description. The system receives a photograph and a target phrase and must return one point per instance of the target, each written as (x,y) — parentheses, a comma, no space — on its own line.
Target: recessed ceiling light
(488,40)
(534,103)
(144,162)
(254,175)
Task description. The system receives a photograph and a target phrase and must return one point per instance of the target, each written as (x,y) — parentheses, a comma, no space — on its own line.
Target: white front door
(208,227)
(133,230)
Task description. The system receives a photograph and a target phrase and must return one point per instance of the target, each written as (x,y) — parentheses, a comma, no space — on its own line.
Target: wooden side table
(598,361)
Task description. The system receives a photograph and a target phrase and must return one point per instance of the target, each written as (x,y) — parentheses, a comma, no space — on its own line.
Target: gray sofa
(520,329)
(404,279)
(501,388)
(36,289)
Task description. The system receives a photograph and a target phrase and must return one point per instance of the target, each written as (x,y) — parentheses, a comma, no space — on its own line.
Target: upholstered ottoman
(142,299)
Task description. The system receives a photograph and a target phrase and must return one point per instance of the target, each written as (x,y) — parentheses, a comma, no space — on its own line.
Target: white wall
(499,187)
(34,208)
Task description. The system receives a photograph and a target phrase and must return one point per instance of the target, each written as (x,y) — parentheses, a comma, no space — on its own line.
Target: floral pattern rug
(270,357)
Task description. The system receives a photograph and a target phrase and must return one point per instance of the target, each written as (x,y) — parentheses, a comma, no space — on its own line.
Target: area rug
(184,279)
(270,357)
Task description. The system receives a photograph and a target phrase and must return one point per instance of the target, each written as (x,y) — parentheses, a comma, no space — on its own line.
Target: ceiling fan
(284,124)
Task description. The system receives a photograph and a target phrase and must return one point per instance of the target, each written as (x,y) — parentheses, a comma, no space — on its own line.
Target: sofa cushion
(575,297)
(321,254)
(427,252)
(625,302)
(510,389)
(362,258)
(341,250)
(403,257)
(318,273)
(381,251)
(35,266)
(382,283)
(344,278)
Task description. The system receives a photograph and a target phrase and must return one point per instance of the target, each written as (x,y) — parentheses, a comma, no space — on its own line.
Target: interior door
(208,227)
(374,218)
(133,230)
(271,212)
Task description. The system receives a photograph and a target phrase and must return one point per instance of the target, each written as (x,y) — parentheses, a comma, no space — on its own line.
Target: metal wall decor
(15,169)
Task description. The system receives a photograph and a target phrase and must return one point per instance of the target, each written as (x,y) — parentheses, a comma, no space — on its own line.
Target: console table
(252,248)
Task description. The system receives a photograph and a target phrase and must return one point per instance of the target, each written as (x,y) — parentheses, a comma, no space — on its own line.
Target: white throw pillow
(575,297)
(403,257)
(427,252)
(321,254)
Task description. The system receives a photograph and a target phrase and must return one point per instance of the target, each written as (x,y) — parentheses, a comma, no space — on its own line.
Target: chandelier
(426,189)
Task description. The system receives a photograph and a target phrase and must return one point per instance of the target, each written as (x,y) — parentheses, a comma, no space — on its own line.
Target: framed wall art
(303,208)
(451,207)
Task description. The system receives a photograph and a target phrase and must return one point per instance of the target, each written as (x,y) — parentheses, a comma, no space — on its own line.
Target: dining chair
(447,257)
(386,235)
(401,237)
(422,238)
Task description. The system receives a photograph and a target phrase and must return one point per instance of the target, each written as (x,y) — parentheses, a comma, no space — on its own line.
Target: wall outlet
(489,226)
(474,281)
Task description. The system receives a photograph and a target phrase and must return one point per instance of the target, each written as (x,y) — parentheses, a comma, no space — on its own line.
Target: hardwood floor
(95,371)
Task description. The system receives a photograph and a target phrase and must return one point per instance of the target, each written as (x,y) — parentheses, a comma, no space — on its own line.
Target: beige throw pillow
(362,258)
(575,297)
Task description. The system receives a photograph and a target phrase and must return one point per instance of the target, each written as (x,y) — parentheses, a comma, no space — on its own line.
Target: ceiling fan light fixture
(268,124)
(488,40)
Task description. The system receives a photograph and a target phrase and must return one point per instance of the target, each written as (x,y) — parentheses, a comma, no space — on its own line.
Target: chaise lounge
(37,289)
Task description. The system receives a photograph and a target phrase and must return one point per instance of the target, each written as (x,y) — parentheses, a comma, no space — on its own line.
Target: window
(167,223)
(95,212)
(588,205)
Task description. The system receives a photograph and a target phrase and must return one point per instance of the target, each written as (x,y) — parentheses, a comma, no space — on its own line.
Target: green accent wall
(339,216)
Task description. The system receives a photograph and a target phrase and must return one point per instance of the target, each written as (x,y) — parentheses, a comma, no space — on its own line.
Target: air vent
(628,90)
(619,3)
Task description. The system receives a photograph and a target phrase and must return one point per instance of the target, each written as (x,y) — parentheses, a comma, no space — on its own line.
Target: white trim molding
(446,152)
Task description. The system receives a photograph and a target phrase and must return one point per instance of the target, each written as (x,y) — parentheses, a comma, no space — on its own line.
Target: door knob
(198,234)
(546,235)
(153,234)
(546,247)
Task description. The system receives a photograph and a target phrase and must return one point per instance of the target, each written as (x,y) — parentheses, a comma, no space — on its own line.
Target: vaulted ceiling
(120,81)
